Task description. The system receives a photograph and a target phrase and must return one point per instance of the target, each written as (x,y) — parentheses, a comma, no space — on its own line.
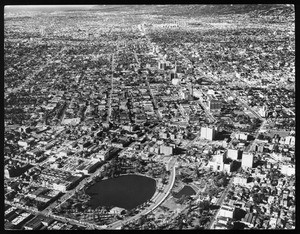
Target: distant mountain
(191,10)
(221,9)
(199,9)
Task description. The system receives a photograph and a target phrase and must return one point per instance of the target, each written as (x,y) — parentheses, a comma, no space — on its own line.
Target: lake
(187,190)
(126,191)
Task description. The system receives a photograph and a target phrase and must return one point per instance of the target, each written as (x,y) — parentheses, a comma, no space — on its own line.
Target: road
(220,202)
(156,200)
(206,110)
(210,116)
(192,141)
(247,106)
(112,87)
(56,217)
(153,100)
(256,135)
(182,112)
(225,192)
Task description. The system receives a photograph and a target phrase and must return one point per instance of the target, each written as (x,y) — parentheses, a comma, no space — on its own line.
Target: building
(247,160)
(214,104)
(227,211)
(240,180)
(227,167)
(208,133)
(217,163)
(166,150)
(233,154)
(263,111)
(6,173)
(175,81)
(288,170)
(33,224)
(173,75)
(290,140)
(21,219)
(117,211)
(71,121)
(23,144)
(162,65)
(249,219)
(243,136)
(9,211)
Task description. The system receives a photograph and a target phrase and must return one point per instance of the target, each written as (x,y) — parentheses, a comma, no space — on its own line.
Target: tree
(142,220)
(204,205)
(164,180)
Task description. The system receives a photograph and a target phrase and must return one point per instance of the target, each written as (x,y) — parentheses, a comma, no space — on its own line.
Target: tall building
(6,173)
(247,160)
(173,75)
(208,133)
(232,153)
(161,65)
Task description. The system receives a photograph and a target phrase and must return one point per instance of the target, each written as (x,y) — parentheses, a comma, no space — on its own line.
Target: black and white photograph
(149,117)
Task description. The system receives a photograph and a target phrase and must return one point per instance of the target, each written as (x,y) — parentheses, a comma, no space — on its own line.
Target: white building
(247,160)
(288,170)
(290,140)
(166,150)
(71,121)
(23,144)
(217,162)
(175,81)
(233,154)
(240,180)
(226,211)
(243,136)
(208,133)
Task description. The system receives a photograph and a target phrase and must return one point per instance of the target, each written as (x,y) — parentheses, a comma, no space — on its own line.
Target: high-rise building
(232,153)
(208,133)
(247,160)
(6,173)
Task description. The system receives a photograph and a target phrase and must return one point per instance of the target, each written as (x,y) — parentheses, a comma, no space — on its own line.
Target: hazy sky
(46,7)
(35,6)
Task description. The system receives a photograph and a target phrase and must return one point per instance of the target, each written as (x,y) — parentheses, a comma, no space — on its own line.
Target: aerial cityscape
(159,117)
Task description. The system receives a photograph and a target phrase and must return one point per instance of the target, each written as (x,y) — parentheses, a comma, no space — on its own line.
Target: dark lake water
(126,191)
(186,190)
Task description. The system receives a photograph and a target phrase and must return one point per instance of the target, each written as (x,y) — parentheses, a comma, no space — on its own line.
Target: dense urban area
(199,102)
